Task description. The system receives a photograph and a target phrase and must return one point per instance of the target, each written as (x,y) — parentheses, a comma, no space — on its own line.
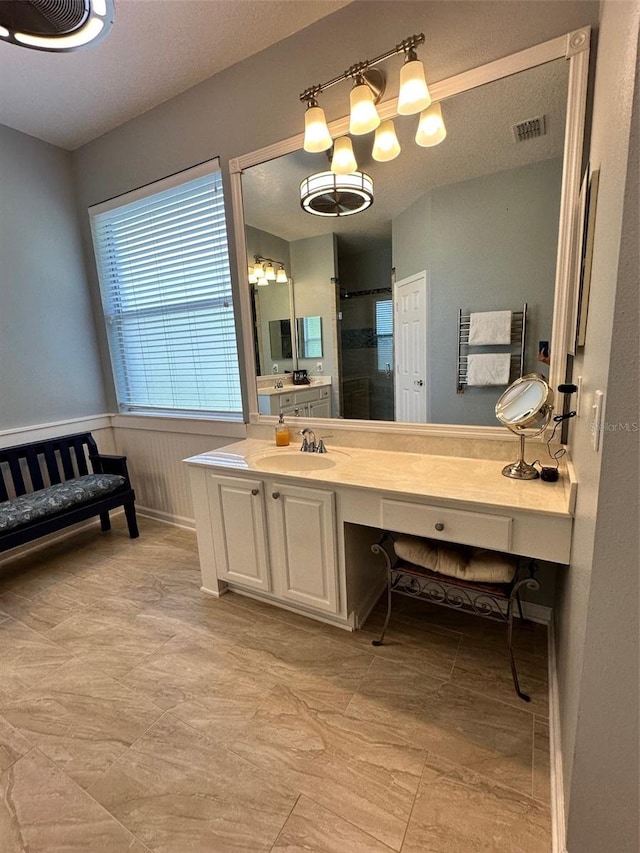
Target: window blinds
(384,333)
(163,265)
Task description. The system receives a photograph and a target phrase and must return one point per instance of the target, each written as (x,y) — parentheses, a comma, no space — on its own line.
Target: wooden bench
(47,485)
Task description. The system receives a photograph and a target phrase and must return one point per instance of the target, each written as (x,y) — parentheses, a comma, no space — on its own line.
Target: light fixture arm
(260,259)
(360,68)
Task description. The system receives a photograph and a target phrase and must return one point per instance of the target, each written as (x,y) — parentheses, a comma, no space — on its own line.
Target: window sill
(205,425)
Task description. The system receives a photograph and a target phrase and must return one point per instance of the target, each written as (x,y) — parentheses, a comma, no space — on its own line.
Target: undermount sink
(295,461)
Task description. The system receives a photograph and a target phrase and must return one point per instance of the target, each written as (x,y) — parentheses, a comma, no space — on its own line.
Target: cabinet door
(303,543)
(239,531)
(320,409)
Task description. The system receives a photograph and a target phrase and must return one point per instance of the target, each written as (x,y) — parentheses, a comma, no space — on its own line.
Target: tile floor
(138,715)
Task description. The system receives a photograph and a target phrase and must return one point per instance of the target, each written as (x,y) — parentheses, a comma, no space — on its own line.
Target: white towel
(491,368)
(490,327)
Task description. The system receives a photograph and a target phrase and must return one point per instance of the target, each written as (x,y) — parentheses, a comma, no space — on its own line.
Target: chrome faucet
(308,441)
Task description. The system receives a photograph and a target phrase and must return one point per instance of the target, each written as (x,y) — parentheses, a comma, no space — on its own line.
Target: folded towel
(491,368)
(490,327)
(457,561)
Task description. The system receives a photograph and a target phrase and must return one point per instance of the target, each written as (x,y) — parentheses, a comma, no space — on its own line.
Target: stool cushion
(457,561)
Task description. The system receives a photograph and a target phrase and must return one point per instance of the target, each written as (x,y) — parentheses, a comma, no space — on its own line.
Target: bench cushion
(54,499)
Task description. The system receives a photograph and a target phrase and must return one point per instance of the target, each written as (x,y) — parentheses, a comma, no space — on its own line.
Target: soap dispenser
(282,433)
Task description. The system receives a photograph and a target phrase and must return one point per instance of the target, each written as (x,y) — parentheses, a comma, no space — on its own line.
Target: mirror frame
(575,48)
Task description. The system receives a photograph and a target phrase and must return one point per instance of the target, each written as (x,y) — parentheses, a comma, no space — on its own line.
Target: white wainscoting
(155,449)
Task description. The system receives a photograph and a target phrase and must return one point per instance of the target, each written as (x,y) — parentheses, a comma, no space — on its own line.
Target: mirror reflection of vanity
(482,223)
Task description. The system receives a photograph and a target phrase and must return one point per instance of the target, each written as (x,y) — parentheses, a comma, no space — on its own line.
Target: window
(163,265)
(384,333)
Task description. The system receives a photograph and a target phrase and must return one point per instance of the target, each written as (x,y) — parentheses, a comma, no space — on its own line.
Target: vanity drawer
(305,396)
(324,392)
(285,400)
(450,525)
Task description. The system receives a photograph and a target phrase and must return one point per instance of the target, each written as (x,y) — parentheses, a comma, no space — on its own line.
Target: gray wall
(488,244)
(232,113)
(597,627)
(49,366)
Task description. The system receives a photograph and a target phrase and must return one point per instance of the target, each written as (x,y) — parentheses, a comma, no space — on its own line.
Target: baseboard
(166,517)
(558,824)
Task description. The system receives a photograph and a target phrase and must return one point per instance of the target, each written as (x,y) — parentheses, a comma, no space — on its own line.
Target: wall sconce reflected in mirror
(263,271)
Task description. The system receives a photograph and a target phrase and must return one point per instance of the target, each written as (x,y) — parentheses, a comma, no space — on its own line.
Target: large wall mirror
(483,222)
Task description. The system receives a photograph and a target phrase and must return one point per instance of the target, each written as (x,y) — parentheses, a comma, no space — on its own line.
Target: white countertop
(449,479)
(290,388)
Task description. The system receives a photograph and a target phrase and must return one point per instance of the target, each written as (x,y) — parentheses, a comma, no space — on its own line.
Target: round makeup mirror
(525,408)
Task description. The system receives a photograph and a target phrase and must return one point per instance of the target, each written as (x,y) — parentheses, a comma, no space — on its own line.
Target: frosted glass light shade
(262,282)
(344,161)
(316,133)
(258,271)
(364,116)
(386,146)
(253,278)
(281,276)
(270,273)
(414,95)
(431,129)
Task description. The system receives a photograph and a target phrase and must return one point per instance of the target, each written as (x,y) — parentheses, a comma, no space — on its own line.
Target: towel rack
(517,346)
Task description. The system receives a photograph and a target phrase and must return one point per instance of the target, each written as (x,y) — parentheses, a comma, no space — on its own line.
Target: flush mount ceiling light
(328,194)
(369,84)
(263,271)
(55,25)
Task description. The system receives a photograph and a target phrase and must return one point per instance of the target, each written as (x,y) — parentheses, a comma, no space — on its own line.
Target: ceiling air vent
(529,129)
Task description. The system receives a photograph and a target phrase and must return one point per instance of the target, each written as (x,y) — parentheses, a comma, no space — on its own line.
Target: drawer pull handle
(255,491)
(439,526)
(275,495)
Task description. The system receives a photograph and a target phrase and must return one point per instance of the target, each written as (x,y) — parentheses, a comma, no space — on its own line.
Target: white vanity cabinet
(303,539)
(296,401)
(273,538)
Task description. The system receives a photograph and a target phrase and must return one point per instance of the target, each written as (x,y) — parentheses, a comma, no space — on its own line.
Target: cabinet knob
(255,491)
(439,526)
(275,495)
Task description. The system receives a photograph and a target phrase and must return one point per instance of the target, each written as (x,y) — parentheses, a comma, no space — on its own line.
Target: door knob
(275,495)
(255,491)
(418,382)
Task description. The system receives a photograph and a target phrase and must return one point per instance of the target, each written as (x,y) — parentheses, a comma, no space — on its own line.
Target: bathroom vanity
(296,528)
(298,401)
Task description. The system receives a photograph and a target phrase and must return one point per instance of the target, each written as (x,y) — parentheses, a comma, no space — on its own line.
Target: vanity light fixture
(262,275)
(431,129)
(343,161)
(59,26)
(386,146)
(369,84)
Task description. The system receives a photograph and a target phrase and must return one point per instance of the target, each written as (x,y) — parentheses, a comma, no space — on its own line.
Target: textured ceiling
(156,49)
(479,142)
